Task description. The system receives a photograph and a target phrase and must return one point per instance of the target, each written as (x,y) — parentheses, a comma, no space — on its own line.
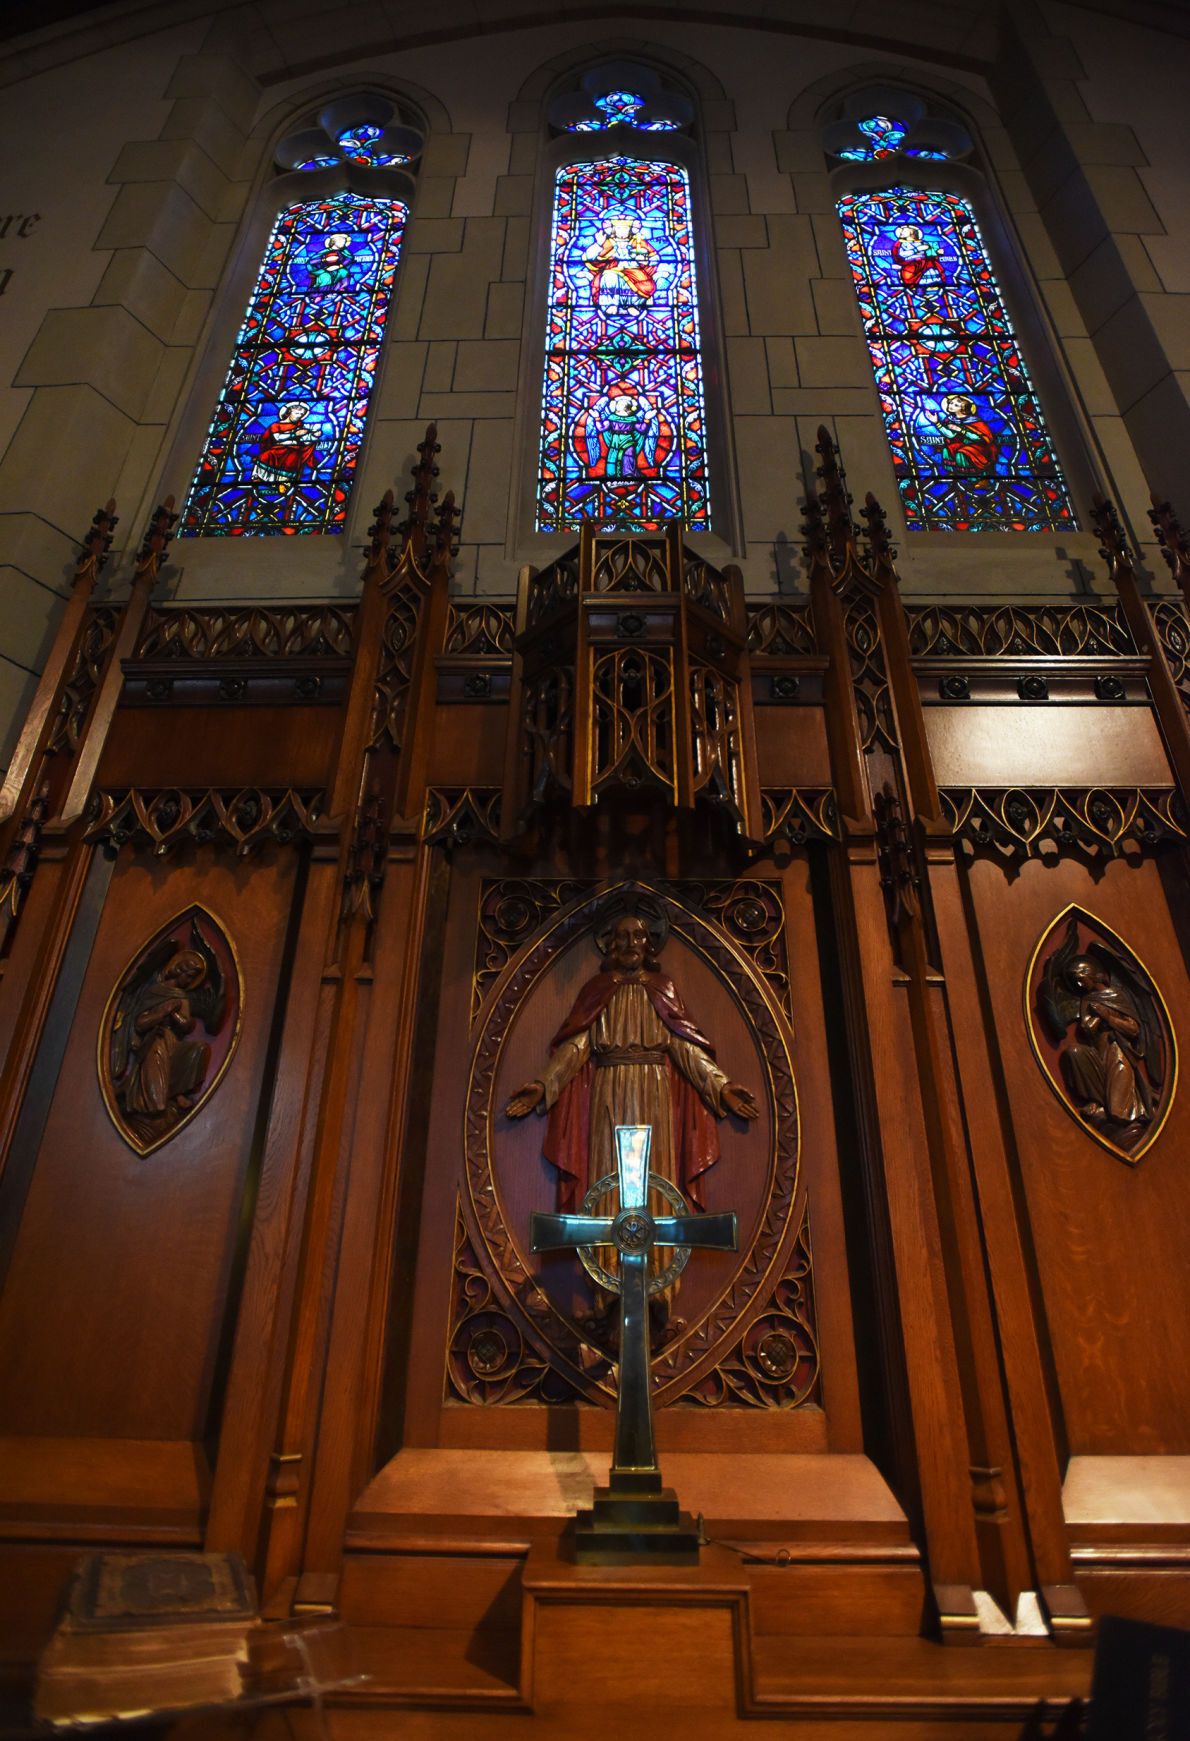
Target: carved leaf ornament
(170,1029)
(1100,1030)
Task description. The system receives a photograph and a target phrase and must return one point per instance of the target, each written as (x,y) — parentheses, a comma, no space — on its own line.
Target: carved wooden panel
(1102,1033)
(1108,1240)
(498,1284)
(1031,822)
(1018,631)
(170,1029)
(114,1316)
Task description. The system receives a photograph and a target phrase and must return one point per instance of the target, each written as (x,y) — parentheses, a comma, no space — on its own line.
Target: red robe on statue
(694,1133)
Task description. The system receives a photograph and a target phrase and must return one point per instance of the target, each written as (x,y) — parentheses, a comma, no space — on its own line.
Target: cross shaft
(633,1232)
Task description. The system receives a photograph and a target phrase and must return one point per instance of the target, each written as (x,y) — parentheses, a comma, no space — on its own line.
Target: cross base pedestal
(627,1527)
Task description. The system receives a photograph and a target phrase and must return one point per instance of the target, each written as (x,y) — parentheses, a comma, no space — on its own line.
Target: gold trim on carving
(104,1034)
(1084,913)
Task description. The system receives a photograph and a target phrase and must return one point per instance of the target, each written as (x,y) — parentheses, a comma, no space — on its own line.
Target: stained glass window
(621,109)
(359,145)
(885,136)
(283,442)
(970,447)
(623,426)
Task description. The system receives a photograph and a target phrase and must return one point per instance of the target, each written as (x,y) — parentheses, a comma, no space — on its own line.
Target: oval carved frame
(1043,1053)
(707,1339)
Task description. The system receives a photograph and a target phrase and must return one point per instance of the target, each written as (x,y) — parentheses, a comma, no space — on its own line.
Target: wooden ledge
(1135,1500)
(758,1497)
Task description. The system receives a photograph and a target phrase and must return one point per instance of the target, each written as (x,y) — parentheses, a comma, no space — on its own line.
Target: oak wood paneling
(229,747)
(114,1303)
(1050,744)
(1109,1237)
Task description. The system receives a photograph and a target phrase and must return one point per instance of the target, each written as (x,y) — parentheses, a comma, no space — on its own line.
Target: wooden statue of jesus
(630,1054)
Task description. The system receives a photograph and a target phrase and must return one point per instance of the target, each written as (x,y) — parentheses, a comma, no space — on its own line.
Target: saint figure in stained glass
(623,425)
(282,447)
(970,447)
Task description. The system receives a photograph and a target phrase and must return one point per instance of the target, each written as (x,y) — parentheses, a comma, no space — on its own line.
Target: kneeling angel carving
(1108,1034)
(169,1030)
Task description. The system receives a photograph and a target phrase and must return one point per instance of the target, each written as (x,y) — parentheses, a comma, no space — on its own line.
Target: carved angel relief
(169,1029)
(1101,1033)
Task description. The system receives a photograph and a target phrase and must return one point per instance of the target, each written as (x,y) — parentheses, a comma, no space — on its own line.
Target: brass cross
(635,1518)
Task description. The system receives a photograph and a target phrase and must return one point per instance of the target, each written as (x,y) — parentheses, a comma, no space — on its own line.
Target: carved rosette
(497,1281)
(487,1359)
(510,911)
(774,1364)
(1101,1032)
(170,1029)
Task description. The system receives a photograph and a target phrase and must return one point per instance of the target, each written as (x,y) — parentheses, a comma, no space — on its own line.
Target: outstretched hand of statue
(740,1101)
(527,1099)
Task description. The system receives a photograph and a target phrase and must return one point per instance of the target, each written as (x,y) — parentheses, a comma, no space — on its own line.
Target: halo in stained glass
(282,446)
(623,424)
(970,447)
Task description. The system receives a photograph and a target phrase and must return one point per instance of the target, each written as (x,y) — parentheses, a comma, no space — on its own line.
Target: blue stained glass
(358,145)
(886,136)
(620,110)
(317,163)
(623,425)
(284,438)
(970,447)
(619,106)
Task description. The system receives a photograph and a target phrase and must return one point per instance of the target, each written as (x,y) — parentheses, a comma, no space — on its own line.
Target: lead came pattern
(623,426)
(970,447)
(282,447)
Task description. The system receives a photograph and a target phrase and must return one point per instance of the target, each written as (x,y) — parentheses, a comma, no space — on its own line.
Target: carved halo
(152,1092)
(1051,1015)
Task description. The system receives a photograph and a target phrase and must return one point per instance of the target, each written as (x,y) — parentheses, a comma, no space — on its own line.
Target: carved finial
(1113,546)
(1175,546)
(814,530)
(883,548)
(96,544)
(445,529)
(152,552)
(365,868)
(840,527)
(380,531)
(422,496)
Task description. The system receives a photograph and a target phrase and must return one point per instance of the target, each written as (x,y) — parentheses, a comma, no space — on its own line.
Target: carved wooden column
(60,704)
(1015,1478)
(353,1022)
(57,757)
(107,693)
(261,1489)
(921,1364)
(1169,683)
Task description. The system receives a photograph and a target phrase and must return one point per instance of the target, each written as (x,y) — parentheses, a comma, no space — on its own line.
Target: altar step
(467,1610)
(715,1648)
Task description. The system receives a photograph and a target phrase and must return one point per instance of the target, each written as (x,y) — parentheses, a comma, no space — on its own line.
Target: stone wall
(147,164)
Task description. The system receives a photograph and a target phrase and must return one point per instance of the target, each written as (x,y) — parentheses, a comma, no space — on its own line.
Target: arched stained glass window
(969,444)
(623,426)
(282,446)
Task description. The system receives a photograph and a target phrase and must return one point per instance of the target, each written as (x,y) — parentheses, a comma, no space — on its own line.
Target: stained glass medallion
(623,425)
(884,136)
(970,447)
(621,109)
(286,432)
